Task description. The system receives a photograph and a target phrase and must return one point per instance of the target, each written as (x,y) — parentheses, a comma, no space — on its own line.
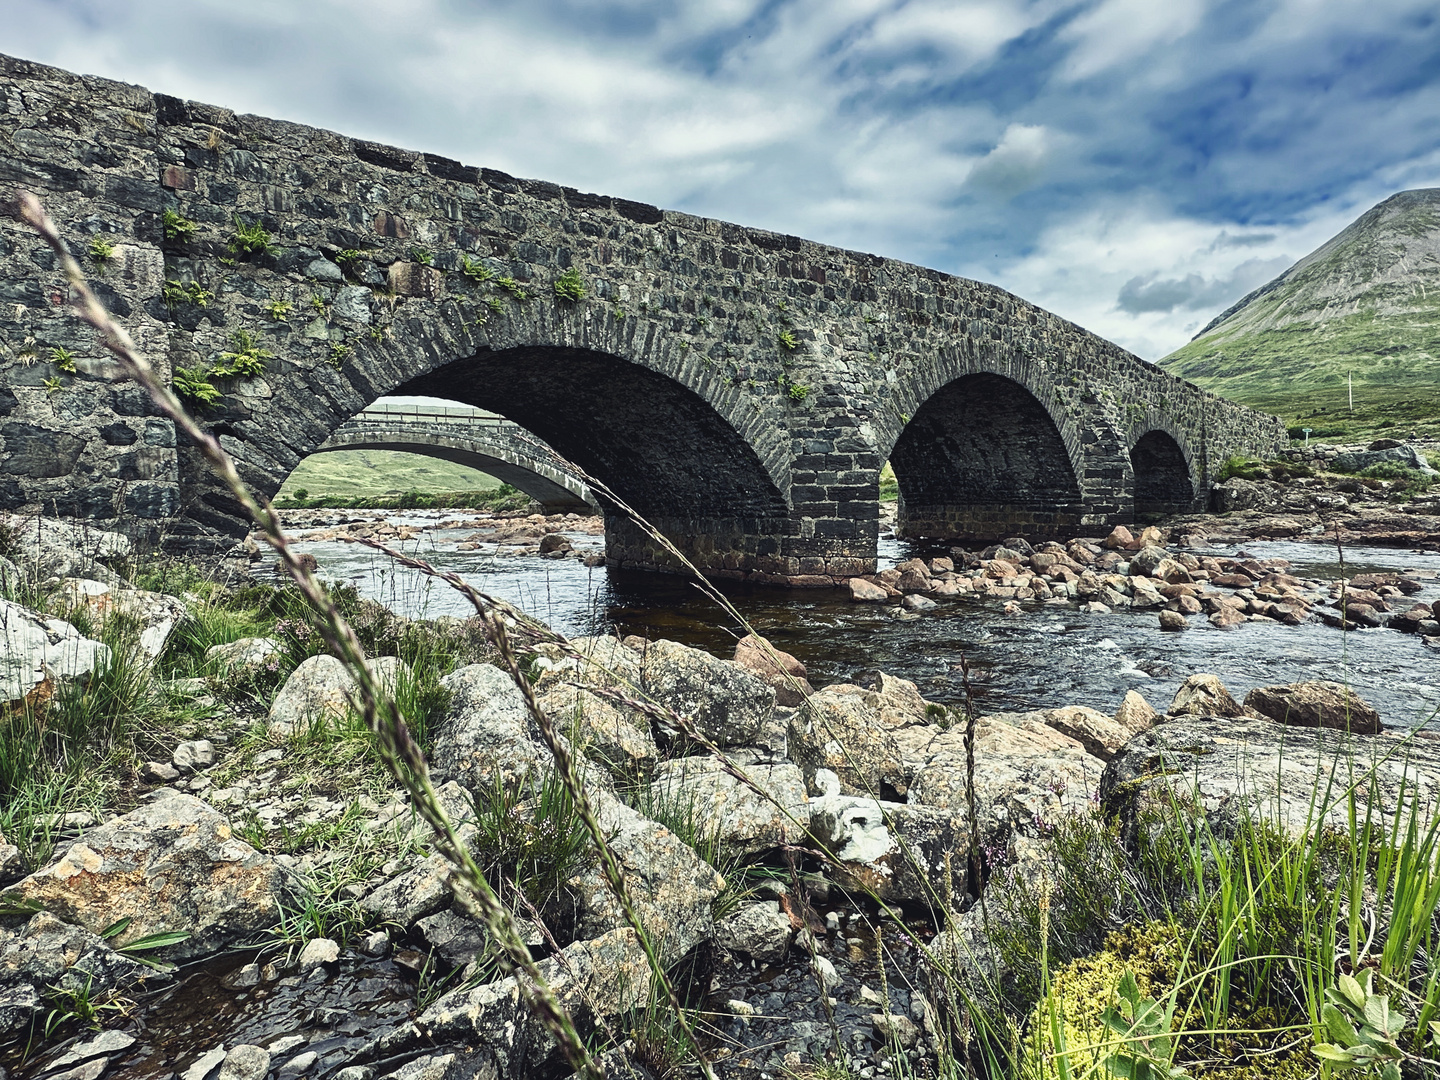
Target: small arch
(1163,483)
(982,459)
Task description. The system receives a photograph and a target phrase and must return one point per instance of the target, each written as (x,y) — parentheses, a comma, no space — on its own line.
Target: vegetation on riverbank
(502,498)
(367,474)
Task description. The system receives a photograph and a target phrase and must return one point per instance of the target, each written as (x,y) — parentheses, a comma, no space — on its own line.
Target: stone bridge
(471,437)
(740,389)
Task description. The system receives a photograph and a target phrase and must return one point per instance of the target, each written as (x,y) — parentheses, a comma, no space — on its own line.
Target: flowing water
(1047,657)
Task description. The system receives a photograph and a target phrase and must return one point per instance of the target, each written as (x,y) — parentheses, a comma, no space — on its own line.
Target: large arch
(982,459)
(1164,482)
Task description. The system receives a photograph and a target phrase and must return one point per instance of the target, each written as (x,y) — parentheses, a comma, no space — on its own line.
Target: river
(1047,657)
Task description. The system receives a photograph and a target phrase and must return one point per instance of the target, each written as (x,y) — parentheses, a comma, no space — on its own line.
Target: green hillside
(367,473)
(1365,305)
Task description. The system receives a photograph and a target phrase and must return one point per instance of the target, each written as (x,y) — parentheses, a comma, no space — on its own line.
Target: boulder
(11,861)
(671,887)
(603,977)
(155,614)
(1145,561)
(726,703)
(38,652)
(553,542)
(761,931)
(1294,778)
(243,654)
(321,691)
(1172,620)
(589,661)
(916,602)
(1135,714)
(606,731)
(1402,454)
(47,955)
(1227,618)
(896,701)
(1204,695)
(893,851)
(48,548)
(866,592)
(1097,733)
(1315,704)
(410,896)
(745,821)
(843,732)
(172,864)
(777,669)
(1027,774)
(1119,539)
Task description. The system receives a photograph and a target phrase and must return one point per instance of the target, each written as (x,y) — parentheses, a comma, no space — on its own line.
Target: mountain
(1366,305)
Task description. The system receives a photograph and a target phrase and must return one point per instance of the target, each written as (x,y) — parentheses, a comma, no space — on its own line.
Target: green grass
(1300,373)
(373,473)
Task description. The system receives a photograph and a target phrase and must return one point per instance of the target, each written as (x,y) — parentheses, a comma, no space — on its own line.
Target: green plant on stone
(799,392)
(474,270)
(176,227)
(1364,1030)
(53,385)
(421,256)
(174,292)
(529,838)
(570,286)
(338,352)
(787,340)
(63,359)
(496,305)
(245,361)
(101,251)
(618,313)
(348,258)
(513,287)
(319,303)
(194,385)
(79,1004)
(378,333)
(248,241)
(279,310)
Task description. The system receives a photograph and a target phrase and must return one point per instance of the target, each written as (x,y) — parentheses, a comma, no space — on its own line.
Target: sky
(1133,165)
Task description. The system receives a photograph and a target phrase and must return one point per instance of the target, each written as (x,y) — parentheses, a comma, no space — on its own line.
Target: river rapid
(1047,656)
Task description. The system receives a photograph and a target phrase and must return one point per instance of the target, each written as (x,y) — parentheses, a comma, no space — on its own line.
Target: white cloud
(1120,33)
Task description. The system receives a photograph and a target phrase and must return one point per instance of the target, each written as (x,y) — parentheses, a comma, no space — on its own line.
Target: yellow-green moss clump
(1083,989)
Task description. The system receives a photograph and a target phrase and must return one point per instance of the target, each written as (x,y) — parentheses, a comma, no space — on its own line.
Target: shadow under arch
(982,459)
(1163,481)
(659,446)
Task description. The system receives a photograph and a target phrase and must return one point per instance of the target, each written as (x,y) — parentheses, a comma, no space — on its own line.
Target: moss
(1083,989)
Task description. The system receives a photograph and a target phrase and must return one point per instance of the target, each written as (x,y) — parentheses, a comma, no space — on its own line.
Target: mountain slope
(1365,304)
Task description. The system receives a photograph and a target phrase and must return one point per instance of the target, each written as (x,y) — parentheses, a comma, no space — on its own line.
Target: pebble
(299,1064)
(206,1063)
(194,755)
(318,951)
(245,1062)
(158,772)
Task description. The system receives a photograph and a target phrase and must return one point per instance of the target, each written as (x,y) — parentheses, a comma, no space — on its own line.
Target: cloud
(1195,292)
(1133,165)
(1016,164)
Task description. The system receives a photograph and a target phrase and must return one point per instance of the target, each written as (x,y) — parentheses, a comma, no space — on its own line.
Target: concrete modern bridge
(739,388)
(471,437)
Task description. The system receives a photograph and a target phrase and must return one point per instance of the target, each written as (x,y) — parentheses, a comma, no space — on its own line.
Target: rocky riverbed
(809,862)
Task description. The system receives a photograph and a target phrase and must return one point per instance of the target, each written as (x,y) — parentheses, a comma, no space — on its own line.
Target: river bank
(812,879)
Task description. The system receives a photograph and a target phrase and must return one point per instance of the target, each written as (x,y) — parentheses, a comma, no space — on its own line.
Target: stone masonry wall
(739,387)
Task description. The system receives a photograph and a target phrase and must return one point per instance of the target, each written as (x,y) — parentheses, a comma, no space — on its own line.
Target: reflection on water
(1047,657)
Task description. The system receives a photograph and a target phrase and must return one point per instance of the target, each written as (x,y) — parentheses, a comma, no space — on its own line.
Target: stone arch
(1164,475)
(543,481)
(983,458)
